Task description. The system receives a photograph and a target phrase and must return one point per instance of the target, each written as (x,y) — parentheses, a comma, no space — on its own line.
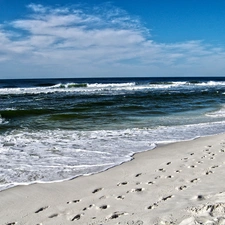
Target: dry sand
(181,183)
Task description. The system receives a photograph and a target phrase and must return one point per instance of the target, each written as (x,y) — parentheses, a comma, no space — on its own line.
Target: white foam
(218,113)
(30,156)
(211,83)
(101,87)
(111,85)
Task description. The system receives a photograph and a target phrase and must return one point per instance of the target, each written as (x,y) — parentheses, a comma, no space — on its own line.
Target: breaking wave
(112,87)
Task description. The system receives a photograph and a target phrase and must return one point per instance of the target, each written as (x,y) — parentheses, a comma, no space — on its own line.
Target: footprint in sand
(161,170)
(200,197)
(184,159)
(194,180)
(89,207)
(74,201)
(97,190)
(120,197)
(208,172)
(216,166)
(116,215)
(181,188)
(138,175)
(104,207)
(166,198)
(53,216)
(192,166)
(151,182)
(103,197)
(122,183)
(155,205)
(169,177)
(41,209)
(137,190)
(77,217)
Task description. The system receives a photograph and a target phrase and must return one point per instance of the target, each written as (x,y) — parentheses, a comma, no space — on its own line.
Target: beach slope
(180,183)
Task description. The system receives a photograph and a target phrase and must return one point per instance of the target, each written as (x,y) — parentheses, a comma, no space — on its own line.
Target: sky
(120,38)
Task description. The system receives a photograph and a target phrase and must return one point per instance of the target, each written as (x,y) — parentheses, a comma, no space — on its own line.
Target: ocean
(58,129)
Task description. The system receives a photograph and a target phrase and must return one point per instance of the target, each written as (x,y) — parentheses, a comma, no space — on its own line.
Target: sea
(57,129)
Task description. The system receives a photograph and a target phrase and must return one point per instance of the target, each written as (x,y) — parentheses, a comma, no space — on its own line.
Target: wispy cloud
(37,8)
(100,41)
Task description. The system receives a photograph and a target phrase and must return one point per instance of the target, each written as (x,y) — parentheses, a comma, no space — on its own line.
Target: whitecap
(220,113)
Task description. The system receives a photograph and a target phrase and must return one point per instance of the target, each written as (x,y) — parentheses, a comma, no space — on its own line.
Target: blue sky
(120,38)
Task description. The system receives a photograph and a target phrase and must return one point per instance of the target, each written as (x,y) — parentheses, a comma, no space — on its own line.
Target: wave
(95,85)
(3,120)
(220,113)
(208,83)
(70,85)
(112,87)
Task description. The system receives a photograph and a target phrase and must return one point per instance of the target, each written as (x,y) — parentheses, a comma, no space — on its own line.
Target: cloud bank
(103,41)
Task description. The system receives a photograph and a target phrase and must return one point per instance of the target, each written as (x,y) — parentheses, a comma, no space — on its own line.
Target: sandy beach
(180,183)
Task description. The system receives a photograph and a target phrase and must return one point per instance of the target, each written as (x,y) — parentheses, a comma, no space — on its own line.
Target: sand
(180,183)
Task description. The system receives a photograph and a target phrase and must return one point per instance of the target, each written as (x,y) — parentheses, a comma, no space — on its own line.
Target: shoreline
(175,183)
(157,145)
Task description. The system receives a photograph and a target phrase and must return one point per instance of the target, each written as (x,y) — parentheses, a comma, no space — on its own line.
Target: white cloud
(37,8)
(103,41)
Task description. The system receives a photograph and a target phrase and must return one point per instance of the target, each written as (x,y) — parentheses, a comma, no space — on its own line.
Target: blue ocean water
(56,129)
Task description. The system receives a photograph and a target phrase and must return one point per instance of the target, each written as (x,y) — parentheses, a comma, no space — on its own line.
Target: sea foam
(52,155)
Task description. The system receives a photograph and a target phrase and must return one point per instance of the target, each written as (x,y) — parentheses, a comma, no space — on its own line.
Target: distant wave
(208,83)
(98,87)
(70,85)
(112,85)
(95,85)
